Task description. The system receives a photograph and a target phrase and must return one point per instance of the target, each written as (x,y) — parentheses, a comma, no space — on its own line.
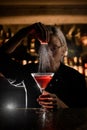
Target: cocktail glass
(42,79)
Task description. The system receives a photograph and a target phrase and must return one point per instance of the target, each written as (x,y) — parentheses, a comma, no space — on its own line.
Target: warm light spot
(36,61)
(29,61)
(33,40)
(10,106)
(84,40)
(24,62)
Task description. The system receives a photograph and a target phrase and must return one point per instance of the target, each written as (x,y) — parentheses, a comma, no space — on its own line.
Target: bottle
(65,60)
(71,62)
(75,63)
(80,65)
(8,35)
(85,69)
(2,35)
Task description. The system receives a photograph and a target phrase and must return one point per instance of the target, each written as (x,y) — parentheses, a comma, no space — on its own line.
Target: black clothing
(14,71)
(68,84)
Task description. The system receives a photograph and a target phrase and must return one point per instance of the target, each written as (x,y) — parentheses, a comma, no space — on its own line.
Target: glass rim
(42,73)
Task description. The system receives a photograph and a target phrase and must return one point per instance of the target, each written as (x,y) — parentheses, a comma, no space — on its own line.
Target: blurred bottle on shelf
(85,69)
(2,35)
(80,65)
(75,63)
(65,60)
(8,35)
(71,64)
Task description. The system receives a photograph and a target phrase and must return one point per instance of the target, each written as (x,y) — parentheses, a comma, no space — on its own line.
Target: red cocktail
(42,79)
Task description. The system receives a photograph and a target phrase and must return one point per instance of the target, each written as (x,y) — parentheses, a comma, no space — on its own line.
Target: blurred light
(29,61)
(32,50)
(10,106)
(36,61)
(24,62)
(33,40)
(84,40)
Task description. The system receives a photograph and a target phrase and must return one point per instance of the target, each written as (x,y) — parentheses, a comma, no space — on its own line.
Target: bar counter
(36,119)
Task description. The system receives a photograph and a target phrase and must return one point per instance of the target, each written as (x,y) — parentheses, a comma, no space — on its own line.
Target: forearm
(61,104)
(15,41)
(36,30)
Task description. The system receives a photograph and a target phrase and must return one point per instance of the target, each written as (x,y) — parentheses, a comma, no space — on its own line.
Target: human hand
(40,31)
(50,101)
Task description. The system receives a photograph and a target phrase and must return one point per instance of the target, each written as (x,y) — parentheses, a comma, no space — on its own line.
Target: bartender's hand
(39,31)
(50,101)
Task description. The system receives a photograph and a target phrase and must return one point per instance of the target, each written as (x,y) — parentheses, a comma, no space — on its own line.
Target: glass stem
(43,90)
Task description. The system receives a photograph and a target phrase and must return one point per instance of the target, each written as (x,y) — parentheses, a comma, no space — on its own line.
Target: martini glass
(42,79)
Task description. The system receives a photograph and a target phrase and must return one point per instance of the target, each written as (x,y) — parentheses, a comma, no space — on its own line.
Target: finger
(48,105)
(45,103)
(49,96)
(49,101)
(46,32)
(43,30)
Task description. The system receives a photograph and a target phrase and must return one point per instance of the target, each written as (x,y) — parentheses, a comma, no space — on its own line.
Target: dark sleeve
(10,68)
(16,38)
(71,89)
(81,92)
